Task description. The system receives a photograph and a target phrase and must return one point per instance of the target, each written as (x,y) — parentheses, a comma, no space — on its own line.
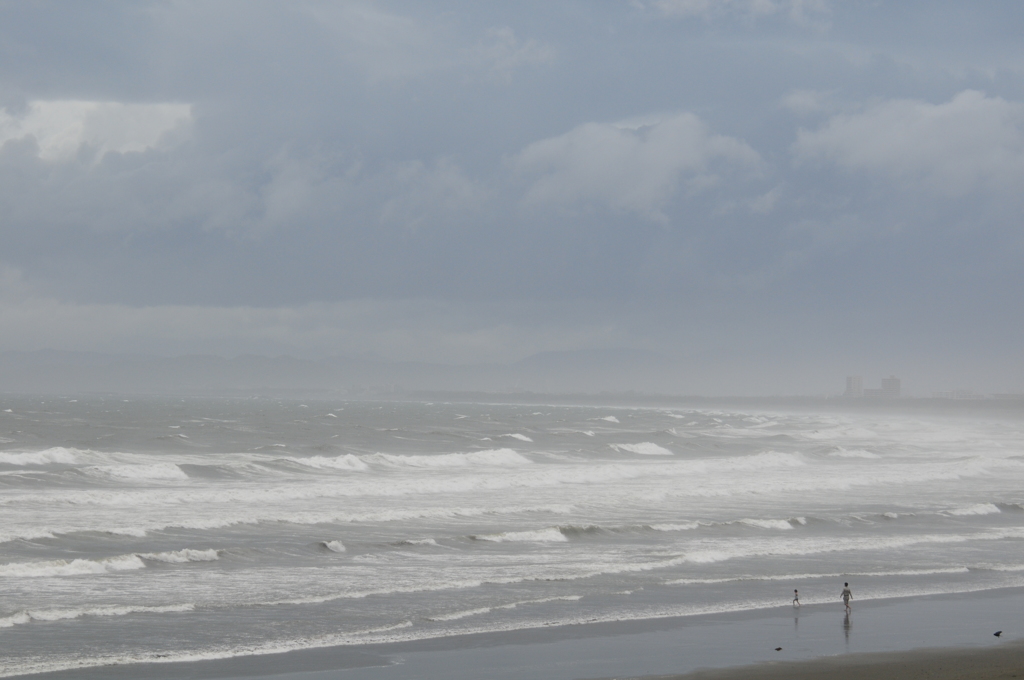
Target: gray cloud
(637,168)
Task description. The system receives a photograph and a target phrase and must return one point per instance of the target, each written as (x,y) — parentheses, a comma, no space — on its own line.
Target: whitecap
(549,535)
(767,523)
(643,448)
(687,526)
(151,471)
(183,555)
(57,454)
(840,452)
(520,437)
(74,567)
(27,616)
(496,457)
(418,541)
(334,546)
(979,509)
(344,462)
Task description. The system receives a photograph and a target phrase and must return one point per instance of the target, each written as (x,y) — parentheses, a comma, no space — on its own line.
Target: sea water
(168,529)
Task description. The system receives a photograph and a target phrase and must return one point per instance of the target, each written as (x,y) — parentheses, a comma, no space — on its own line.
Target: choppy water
(169,529)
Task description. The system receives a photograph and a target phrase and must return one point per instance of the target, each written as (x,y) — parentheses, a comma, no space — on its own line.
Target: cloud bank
(763,187)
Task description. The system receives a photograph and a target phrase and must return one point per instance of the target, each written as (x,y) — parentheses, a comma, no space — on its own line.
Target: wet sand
(996,663)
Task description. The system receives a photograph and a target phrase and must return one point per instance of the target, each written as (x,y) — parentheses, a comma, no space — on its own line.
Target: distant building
(957,394)
(891,388)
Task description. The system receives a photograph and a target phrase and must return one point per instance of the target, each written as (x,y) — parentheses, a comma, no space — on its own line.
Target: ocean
(159,529)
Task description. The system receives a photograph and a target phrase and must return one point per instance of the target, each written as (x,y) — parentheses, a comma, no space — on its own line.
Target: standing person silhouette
(796,598)
(847,596)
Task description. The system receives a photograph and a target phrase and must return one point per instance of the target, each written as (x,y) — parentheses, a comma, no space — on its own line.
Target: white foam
(767,523)
(183,555)
(520,437)
(80,566)
(127,531)
(643,448)
(808,577)
(140,472)
(460,615)
(302,518)
(57,454)
(334,546)
(419,541)
(344,462)
(27,616)
(454,616)
(549,535)
(71,567)
(495,457)
(610,419)
(853,453)
(686,526)
(980,509)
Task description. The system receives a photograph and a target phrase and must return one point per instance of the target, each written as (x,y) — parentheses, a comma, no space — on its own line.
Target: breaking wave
(979,509)
(78,567)
(139,472)
(28,616)
(493,457)
(549,535)
(57,454)
(643,448)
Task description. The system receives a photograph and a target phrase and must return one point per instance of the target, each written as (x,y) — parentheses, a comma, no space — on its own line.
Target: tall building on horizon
(891,386)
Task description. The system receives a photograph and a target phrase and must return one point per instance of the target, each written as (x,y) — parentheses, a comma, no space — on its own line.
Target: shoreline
(678,648)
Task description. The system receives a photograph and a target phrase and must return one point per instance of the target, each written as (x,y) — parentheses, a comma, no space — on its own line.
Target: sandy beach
(922,664)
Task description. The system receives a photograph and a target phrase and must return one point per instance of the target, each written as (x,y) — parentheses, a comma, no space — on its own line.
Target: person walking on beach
(796,598)
(847,596)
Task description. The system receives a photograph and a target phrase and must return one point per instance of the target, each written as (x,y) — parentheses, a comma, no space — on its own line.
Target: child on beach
(796,598)
(847,596)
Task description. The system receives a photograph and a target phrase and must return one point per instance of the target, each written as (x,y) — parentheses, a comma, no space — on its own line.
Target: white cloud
(971,142)
(61,127)
(630,168)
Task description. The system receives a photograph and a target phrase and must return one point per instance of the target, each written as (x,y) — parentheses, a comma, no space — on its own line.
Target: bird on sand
(998,633)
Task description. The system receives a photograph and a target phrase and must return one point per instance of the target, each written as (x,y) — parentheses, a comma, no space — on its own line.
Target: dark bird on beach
(779,649)
(998,633)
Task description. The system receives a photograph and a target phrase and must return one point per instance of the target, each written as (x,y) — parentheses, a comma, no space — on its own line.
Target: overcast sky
(775,193)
